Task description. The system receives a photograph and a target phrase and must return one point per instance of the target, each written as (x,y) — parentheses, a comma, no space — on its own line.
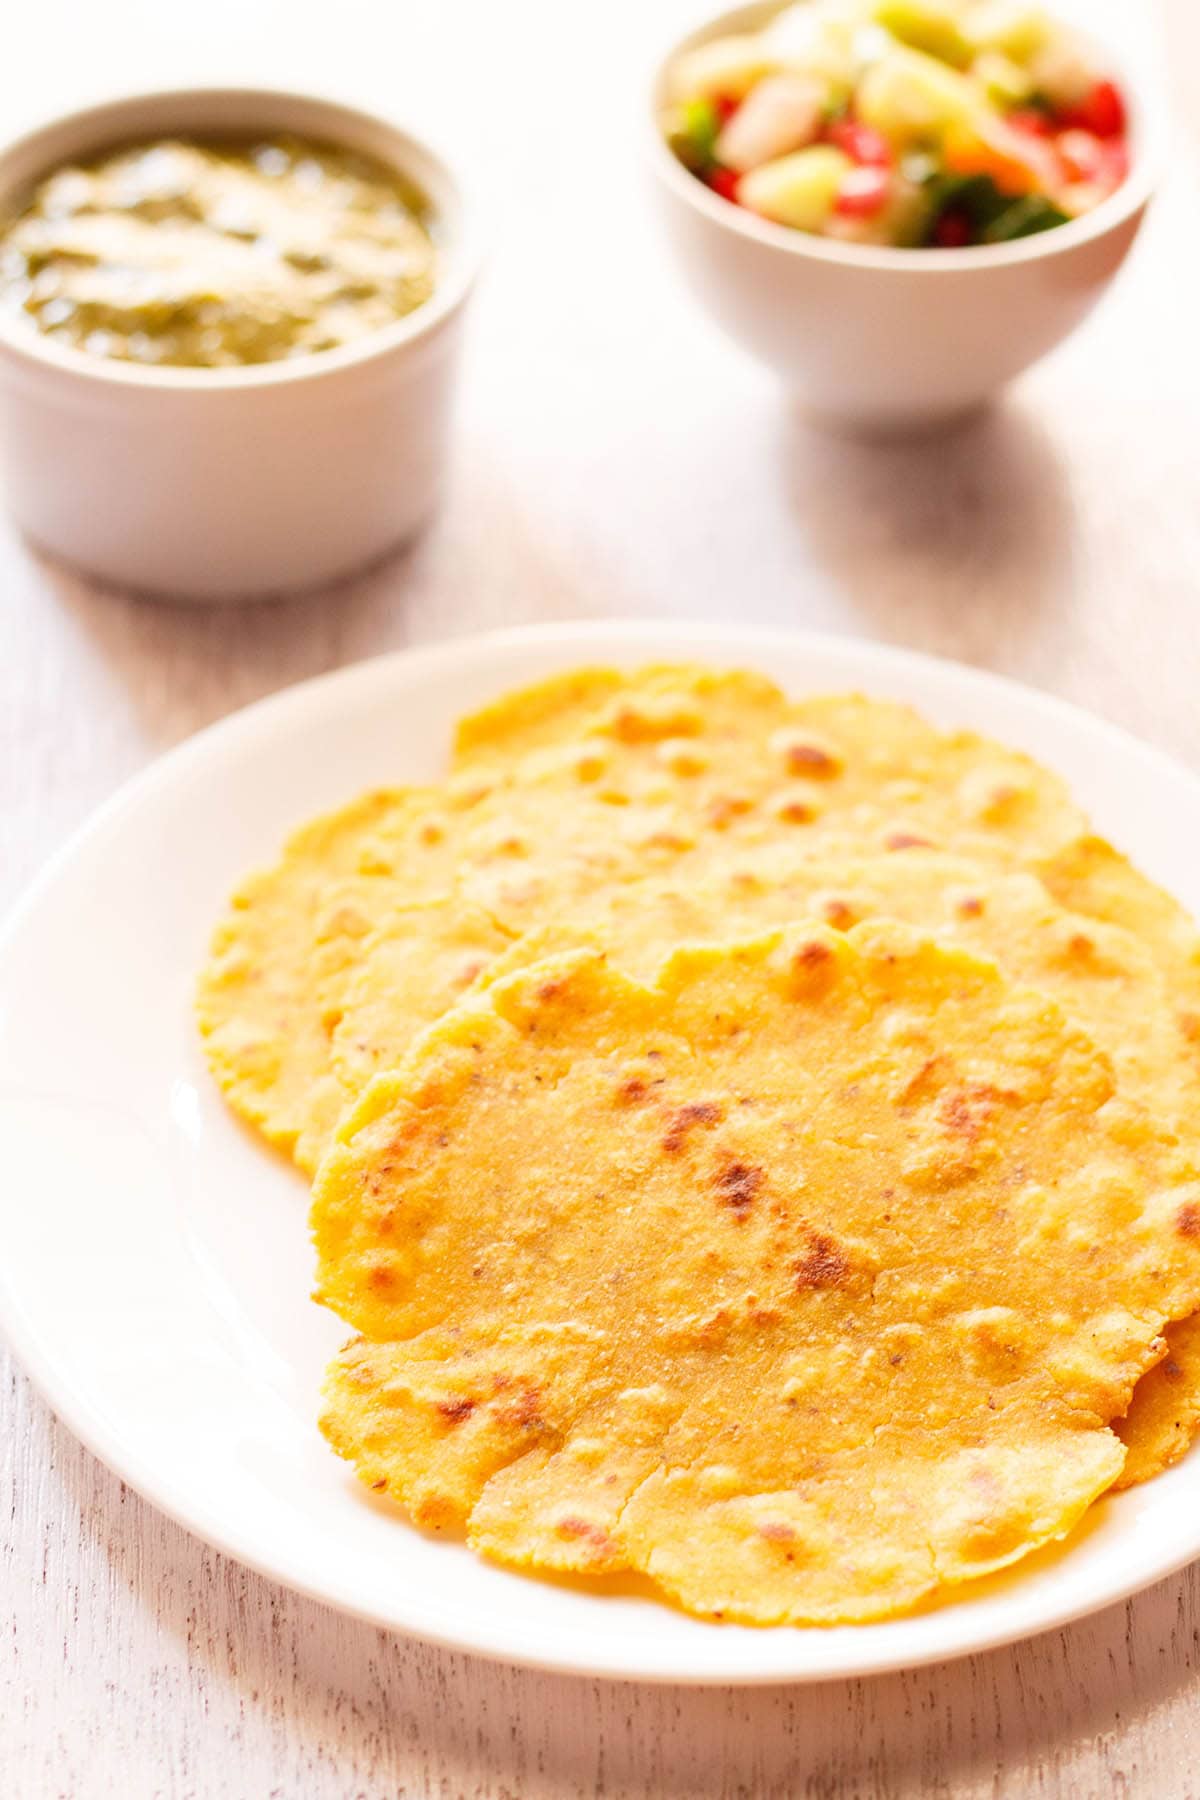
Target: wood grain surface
(614,457)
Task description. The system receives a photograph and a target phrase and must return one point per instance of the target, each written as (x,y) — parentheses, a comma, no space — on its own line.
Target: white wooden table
(614,457)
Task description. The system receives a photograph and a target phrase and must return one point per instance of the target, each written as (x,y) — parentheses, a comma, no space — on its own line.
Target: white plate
(155,1257)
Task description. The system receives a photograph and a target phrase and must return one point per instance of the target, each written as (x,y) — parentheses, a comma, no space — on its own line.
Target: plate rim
(694,637)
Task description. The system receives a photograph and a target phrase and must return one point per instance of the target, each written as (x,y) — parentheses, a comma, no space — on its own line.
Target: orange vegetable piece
(1016,161)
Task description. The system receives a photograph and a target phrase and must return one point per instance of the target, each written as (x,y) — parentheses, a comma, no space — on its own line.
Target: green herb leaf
(976,197)
(1025,218)
(692,132)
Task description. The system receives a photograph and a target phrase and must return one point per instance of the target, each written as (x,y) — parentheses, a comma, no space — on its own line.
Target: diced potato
(1006,83)
(912,98)
(1013,27)
(1063,73)
(805,29)
(798,190)
(725,67)
(807,40)
(783,113)
(934,26)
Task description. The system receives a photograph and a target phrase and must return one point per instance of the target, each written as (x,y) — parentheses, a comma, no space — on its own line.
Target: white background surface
(614,457)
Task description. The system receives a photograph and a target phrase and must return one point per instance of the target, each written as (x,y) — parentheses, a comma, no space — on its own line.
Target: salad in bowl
(910,123)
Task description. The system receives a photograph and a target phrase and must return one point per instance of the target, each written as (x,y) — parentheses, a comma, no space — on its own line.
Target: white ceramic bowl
(884,339)
(232,483)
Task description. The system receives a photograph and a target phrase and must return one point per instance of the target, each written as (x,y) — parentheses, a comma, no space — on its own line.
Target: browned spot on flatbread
(906,840)
(823,1265)
(737,1184)
(697,1112)
(838,913)
(525,1411)
(456,1410)
(723,809)
(956,1115)
(814,967)
(925,1082)
(576,1529)
(966,1111)
(806,758)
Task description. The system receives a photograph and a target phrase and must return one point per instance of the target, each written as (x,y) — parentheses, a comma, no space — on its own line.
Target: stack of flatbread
(755,1141)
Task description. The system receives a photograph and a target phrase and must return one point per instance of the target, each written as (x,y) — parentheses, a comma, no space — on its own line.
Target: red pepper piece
(862,142)
(863,193)
(952,231)
(1029,120)
(1102,112)
(724,182)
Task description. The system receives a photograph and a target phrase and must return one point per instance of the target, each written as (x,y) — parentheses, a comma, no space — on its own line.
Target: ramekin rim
(26,344)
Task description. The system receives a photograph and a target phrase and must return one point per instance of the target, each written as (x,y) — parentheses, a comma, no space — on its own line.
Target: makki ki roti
(408,973)
(1088,874)
(583,781)
(1164,1414)
(295,942)
(268,995)
(1099,972)
(806,1282)
(262,999)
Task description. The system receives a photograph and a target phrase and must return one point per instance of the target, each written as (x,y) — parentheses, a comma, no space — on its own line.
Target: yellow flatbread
(581,783)
(516,843)
(1099,973)
(1090,875)
(806,1281)
(711,806)
(263,997)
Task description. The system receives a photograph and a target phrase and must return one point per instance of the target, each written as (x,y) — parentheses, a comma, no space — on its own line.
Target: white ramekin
(893,340)
(233,483)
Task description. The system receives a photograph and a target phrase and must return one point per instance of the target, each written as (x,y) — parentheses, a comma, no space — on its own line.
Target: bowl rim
(1124,204)
(102,122)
